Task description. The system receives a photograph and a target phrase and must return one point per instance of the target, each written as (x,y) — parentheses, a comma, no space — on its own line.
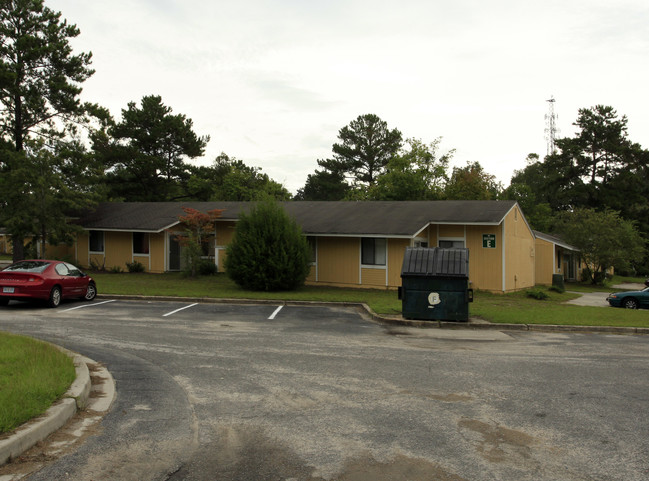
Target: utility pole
(551,129)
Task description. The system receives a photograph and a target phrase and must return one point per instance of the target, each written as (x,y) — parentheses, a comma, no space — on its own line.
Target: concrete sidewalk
(597,299)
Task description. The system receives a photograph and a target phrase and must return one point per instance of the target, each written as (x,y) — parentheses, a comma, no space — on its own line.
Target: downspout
(504,260)
(387,260)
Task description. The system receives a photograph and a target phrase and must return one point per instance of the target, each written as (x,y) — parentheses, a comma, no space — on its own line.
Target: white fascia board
(565,246)
(433,222)
(147,231)
(378,236)
(416,234)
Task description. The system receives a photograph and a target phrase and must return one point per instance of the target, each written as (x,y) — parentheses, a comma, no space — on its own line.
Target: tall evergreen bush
(268,252)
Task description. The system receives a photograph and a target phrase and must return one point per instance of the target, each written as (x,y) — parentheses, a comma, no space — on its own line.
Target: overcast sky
(272,81)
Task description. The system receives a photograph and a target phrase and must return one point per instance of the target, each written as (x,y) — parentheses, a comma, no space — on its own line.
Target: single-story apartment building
(554,256)
(354,244)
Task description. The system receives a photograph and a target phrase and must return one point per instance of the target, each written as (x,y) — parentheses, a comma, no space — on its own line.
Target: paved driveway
(597,299)
(227,392)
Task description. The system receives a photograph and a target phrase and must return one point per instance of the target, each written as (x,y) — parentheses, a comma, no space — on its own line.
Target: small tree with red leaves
(198,228)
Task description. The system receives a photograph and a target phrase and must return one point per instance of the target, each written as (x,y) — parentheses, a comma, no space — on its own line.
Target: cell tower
(551,129)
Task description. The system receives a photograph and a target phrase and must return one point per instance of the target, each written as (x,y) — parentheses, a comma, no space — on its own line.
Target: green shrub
(96,266)
(537,294)
(558,289)
(135,266)
(116,270)
(207,267)
(268,252)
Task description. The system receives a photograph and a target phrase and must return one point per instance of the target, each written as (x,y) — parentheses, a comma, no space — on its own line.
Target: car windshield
(28,266)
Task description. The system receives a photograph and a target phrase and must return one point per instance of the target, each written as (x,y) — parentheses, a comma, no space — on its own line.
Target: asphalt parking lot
(256,392)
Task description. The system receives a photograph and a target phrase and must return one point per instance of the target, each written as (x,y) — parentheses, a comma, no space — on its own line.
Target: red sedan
(51,281)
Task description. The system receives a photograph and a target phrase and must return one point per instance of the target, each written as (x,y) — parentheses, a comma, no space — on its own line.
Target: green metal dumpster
(435,284)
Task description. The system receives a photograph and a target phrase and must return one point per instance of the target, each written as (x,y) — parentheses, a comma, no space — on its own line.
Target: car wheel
(91,292)
(55,297)
(630,303)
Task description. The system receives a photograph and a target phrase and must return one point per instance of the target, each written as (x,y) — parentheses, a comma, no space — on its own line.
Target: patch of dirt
(498,444)
(400,468)
(244,452)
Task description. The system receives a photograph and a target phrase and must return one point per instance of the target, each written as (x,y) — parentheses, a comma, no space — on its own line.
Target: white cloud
(272,82)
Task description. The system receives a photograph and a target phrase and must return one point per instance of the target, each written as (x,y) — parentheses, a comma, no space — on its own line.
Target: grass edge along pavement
(33,375)
(76,397)
(511,308)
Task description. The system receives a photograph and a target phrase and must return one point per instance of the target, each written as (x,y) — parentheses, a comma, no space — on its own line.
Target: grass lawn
(514,308)
(33,375)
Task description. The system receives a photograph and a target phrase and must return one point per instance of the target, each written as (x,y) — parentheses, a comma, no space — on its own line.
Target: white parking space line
(272,316)
(88,305)
(178,310)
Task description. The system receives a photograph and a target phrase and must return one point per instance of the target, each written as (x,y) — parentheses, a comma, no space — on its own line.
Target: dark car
(630,299)
(51,281)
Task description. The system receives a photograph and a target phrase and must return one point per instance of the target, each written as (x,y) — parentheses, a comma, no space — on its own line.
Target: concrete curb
(36,430)
(473,323)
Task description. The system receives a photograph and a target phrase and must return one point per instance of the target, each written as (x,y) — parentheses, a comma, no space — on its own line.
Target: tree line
(59,155)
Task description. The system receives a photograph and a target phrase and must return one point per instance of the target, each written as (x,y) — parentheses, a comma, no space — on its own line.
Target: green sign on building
(489,241)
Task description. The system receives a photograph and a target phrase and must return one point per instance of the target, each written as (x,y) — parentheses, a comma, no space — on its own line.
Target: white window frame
(375,266)
(452,239)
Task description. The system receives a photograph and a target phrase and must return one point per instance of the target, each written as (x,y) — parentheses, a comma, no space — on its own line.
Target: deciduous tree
(418,172)
(604,239)
(198,227)
(472,183)
(230,179)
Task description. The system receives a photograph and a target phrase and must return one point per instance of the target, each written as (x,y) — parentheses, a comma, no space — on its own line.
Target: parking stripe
(88,305)
(272,316)
(178,310)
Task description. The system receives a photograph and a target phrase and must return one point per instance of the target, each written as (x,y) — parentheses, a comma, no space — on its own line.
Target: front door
(174,254)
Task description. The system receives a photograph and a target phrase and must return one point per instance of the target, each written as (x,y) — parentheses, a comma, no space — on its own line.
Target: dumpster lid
(435,261)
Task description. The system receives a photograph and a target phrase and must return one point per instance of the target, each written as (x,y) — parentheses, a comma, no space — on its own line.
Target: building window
(451,244)
(420,243)
(140,243)
(96,240)
(373,252)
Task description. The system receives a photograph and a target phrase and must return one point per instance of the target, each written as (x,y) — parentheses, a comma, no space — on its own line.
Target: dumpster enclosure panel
(435,284)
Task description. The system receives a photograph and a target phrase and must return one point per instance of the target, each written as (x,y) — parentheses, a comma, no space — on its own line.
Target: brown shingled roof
(380,218)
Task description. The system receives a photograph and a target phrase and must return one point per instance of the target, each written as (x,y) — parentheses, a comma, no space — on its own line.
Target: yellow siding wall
(5,244)
(373,277)
(447,230)
(224,232)
(519,252)
(157,254)
(312,275)
(543,261)
(485,264)
(339,260)
(396,250)
(118,250)
(432,235)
